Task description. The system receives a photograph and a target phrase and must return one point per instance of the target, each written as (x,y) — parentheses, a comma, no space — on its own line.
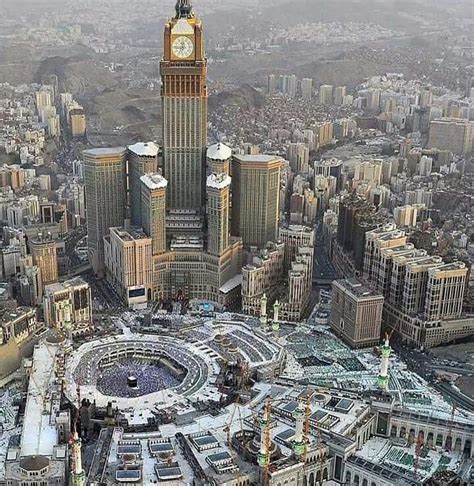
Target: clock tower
(183,72)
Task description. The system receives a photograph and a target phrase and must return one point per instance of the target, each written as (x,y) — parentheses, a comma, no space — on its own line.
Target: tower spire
(184,9)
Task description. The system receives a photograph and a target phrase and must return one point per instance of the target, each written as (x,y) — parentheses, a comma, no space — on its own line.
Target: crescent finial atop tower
(184,9)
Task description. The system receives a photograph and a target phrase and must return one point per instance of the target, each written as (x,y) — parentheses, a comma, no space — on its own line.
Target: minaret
(276,316)
(264,454)
(78,476)
(263,311)
(386,350)
(299,446)
(67,321)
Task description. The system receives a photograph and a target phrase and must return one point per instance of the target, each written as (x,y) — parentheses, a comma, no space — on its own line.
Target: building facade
(68,306)
(142,159)
(106,198)
(184,96)
(43,252)
(129,265)
(153,210)
(356,313)
(255,202)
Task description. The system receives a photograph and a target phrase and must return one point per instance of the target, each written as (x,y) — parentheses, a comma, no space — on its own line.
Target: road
(422,364)
(323,269)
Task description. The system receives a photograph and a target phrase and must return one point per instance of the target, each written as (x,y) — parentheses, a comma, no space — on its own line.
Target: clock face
(183,47)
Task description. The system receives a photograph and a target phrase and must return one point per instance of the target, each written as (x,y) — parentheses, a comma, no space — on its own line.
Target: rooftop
(219,151)
(147,149)
(39,431)
(154,181)
(257,158)
(218,181)
(106,151)
(357,288)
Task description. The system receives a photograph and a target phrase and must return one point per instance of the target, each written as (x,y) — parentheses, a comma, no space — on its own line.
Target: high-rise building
(218,203)
(356,313)
(445,291)
(415,283)
(184,104)
(77,122)
(142,159)
(307,88)
(255,198)
(272,85)
(298,156)
(368,170)
(289,85)
(423,295)
(373,100)
(425,98)
(105,192)
(219,157)
(352,209)
(129,264)
(324,133)
(43,252)
(339,93)
(407,215)
(425,166)
(67,304)
(153,208)
(452,134)
(325,94)
(295,237)
(187,268)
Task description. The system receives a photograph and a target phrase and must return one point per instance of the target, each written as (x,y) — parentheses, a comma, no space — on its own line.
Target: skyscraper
(142,159)
(184,100)
(43,252)
(129,263)
(298,156)
(255,200)
(105,190)
(339,93)
(356,313)
(218,203)
(325,94)
(307,88)
(153,206)
(218,158)
(452,134)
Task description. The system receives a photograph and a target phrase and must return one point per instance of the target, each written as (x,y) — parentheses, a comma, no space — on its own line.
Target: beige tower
(445,291)
(77,122)
(105,191)
(153,207)
(218,158)
(142,159)
(184,98)
(218,202)
(325,94)
(43,252)
(255,198)
(356,313)
(129,264)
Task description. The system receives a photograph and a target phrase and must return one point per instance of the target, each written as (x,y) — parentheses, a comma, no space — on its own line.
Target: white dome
(219,151)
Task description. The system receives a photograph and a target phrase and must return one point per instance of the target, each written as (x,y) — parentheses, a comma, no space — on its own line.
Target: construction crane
(418,447)
(307,431)
(449,437)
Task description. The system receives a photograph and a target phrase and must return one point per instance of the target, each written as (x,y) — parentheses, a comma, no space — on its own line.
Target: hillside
(245,97)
